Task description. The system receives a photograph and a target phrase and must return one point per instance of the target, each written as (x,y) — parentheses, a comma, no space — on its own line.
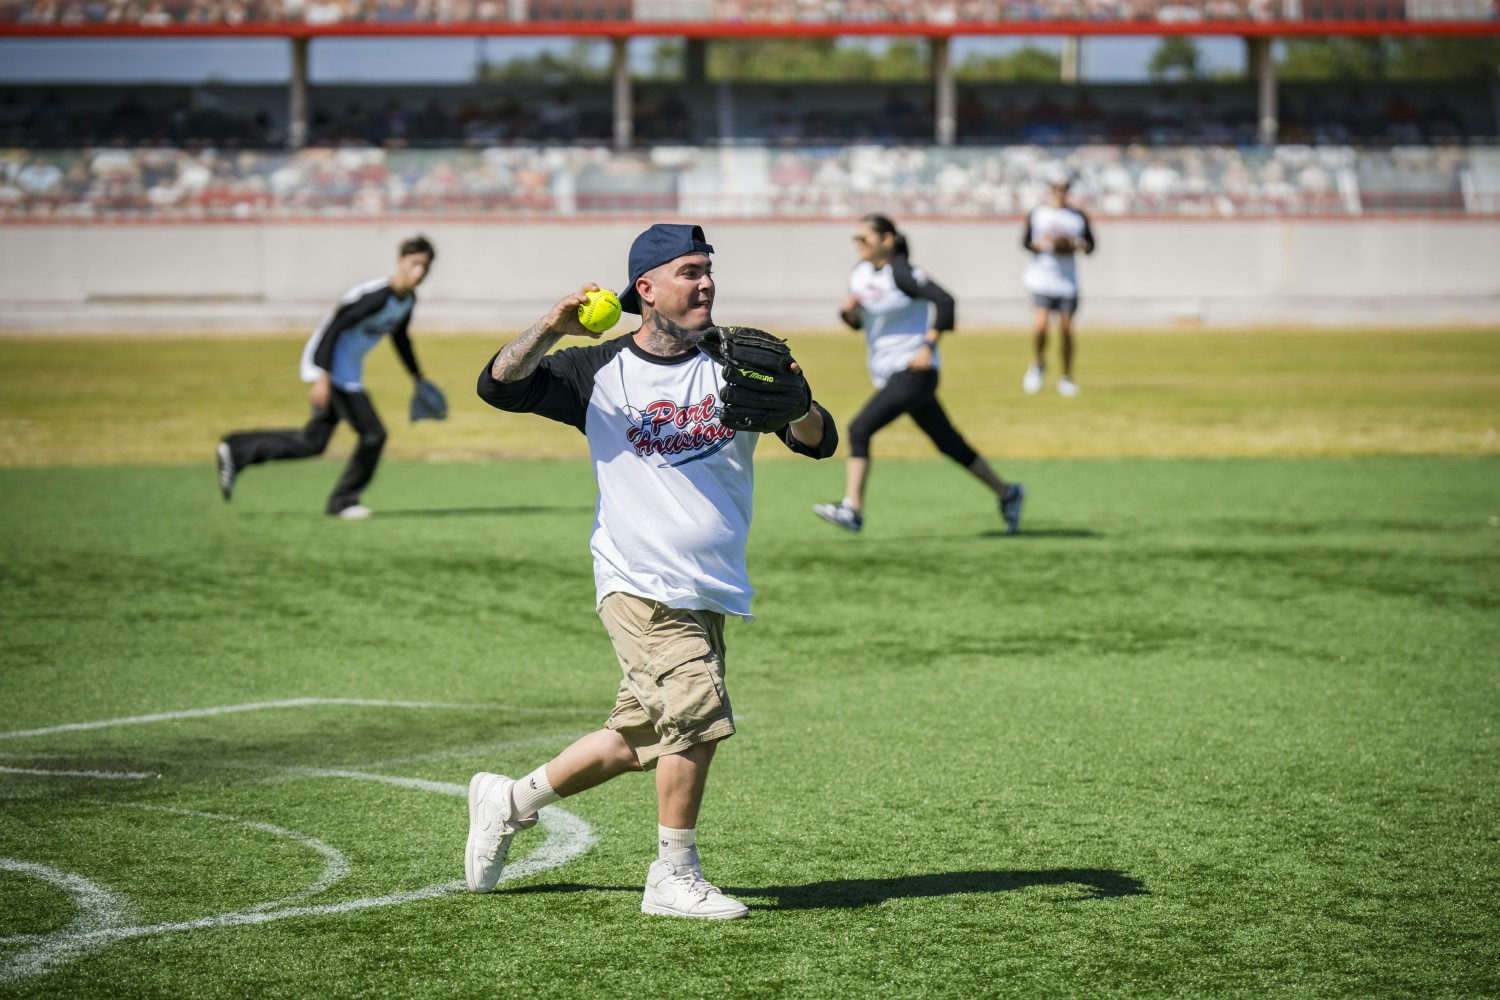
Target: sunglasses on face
(862,240)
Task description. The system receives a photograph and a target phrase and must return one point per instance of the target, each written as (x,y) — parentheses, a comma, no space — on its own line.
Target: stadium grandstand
(1254,146)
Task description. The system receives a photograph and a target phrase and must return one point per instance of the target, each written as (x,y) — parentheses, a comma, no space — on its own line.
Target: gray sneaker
(674,892)
(227,471)
(840,515)
(492,826)
(1010,507)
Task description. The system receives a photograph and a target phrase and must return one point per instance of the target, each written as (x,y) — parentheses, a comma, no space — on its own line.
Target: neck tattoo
(667,338)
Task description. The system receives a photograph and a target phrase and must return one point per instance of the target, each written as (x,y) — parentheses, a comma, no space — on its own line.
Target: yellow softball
(600,311)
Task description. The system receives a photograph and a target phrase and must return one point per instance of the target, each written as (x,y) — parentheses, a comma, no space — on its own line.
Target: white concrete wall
(772,272)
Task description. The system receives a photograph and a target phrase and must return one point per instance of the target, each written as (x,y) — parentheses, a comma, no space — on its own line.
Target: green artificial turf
(1209,728)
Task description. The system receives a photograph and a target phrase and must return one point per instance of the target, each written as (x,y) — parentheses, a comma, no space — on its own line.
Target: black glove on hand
(761,391)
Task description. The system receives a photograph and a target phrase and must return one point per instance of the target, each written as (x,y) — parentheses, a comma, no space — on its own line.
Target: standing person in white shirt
(1056,233)
(903,313)
(671,521)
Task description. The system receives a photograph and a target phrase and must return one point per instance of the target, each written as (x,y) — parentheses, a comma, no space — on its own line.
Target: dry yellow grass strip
(142,400)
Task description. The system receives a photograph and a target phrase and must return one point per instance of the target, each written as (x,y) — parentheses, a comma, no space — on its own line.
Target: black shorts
(1056,303)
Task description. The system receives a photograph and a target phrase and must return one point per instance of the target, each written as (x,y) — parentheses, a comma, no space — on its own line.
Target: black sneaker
(841,515)
(1010,507)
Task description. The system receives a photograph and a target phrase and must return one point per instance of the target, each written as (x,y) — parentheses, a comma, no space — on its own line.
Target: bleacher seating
(754,181)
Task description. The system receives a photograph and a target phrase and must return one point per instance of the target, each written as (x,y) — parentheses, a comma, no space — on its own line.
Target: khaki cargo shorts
(673,693)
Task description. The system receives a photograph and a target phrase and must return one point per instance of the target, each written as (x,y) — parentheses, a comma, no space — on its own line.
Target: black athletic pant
(913,392)
(355,409)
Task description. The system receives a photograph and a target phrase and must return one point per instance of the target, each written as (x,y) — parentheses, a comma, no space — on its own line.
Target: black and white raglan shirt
(898,304)
(366,313)
(1054,275)
(675,486)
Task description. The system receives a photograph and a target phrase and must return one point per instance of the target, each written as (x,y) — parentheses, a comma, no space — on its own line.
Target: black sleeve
(348,313)
(1088,232)
(924,289)
(825,448)
(1026,235)
(560,387)
(402,342)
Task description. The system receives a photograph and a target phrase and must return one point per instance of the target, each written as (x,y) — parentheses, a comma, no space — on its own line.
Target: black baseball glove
(761,391)
(428,402)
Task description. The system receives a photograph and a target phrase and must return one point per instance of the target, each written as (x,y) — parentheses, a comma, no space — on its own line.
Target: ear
(646,290)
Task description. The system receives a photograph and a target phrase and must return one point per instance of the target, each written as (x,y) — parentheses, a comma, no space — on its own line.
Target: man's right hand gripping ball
(764,389)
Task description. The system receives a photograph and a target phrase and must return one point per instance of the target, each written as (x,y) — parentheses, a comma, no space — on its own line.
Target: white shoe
(357,512)
(840,515)
(1067,387)
(1032,383)
(492,826)
(225,459)
(673,893)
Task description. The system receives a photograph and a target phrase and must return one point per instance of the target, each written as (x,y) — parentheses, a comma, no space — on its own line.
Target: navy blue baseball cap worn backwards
(662,242)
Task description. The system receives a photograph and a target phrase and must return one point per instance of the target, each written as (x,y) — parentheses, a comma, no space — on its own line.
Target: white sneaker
(225,459)
(1032,383)
(357,512)
(1067,387)
(672,893)
(840,515)
(492,826)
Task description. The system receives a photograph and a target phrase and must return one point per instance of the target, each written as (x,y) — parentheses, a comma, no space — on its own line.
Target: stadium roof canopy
(740,19)
(1259,22)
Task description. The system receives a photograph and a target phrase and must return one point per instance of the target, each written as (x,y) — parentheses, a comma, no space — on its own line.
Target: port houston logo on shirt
(666,429)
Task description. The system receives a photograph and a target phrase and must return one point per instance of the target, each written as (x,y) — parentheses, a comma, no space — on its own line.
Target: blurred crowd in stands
(540,181)
(254,118)
(160,13)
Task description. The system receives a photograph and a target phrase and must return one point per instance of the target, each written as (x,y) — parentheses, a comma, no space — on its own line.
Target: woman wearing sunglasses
(903,313)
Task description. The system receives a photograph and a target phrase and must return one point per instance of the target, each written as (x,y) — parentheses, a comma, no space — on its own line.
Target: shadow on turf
(1026,533)
(382,514)
(852,893)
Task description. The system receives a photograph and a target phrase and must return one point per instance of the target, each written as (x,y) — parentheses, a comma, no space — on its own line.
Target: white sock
(680,847)
(848,503)
(532,792)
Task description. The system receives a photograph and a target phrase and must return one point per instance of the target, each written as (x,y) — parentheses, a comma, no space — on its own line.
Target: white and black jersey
(366,313)
(1054,275)
(675,486)
(898,304)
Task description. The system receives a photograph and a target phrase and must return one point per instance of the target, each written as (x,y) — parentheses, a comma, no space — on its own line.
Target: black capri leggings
(913,392)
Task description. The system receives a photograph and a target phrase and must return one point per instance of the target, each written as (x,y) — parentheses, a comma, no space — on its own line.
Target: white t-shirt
(1052,274)
(675,486)
(365,314)
(896,310)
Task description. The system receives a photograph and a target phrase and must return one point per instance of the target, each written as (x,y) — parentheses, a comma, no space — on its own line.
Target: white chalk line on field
(567,837)
(256,706)
(335,865)
(102,912)
(98,910)
(478,750)
(104,775)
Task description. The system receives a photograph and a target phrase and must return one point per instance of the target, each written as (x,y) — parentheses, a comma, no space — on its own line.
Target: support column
(942,78)
(296,117)
(1263,66)
(1072,59)
(624,130)
(694,62)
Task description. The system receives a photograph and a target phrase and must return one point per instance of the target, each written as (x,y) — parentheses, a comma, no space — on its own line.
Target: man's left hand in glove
(764,389)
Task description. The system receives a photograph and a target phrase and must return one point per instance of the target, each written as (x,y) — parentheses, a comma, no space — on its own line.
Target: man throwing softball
(672,413)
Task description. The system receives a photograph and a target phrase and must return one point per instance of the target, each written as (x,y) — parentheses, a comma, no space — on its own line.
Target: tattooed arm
(519,358)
